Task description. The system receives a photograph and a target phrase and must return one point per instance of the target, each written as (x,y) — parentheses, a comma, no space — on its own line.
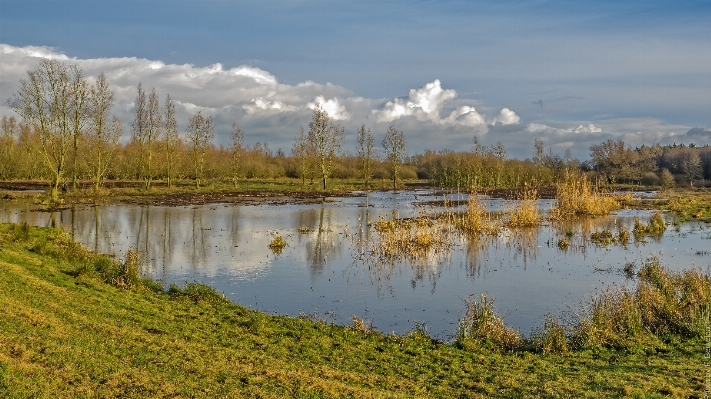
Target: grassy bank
(73,324)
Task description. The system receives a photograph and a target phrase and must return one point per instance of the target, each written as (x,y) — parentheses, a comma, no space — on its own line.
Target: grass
(576,196)
(654,228)
(689,204)
(604,238)
(410,239)
(524,212)
(67,331)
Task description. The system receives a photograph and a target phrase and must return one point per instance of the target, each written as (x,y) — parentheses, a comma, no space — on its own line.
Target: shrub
(576,196)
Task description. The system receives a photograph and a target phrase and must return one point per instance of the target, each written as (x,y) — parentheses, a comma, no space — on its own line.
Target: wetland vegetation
(192,243)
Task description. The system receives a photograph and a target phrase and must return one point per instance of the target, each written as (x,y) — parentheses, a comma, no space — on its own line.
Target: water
(226,246)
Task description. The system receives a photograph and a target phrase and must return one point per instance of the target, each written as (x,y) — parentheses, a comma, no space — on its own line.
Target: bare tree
(302,151)
(326,137)
(104,132)
(366,153)
(237,139)
(139,128)
(395,151)
(153,131)
(45,101)
(77,104)
(200,134)
(170,132)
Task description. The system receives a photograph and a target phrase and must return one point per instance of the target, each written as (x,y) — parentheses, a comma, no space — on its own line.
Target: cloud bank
(433,117)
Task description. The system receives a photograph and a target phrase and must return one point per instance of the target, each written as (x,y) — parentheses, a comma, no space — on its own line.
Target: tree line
(67,133)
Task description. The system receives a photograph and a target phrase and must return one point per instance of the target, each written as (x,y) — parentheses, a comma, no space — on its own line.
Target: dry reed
(577,197)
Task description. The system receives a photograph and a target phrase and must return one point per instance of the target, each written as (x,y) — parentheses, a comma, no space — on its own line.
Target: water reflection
(330,266)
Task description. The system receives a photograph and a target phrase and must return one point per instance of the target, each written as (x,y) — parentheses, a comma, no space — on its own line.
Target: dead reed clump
(655,228)
(552,338)
(524,212)
(563,243)
(127,274)
(663,302)
(604,238)
(410,239)
(481,323)
(362,325)
(577,197)
(476,219)
(277,245)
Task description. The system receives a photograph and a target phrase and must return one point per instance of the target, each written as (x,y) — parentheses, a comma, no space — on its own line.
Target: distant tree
(326,137)
(236,151)
(103,132)
(170,135)
(152,132)
(666,179)
(8,163)
(45,101)
(539,152)
(303,153)
(200,133)
(395,151)
(366,153)
(139,129)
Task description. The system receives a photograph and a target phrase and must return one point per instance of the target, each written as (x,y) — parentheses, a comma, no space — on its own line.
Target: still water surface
(226,246)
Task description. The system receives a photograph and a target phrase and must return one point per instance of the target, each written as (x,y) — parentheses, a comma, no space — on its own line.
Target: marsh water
(320,273)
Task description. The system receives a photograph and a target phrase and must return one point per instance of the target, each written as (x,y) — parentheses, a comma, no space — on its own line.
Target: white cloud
(506,117)
(424,103)
(467,116)
(332,107)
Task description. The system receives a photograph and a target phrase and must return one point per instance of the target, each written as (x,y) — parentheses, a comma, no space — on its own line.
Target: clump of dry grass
(476,219)
(411,238)
(552,338)
(277,245)
(127,275)
(606,237)
(578,197)
(663,302)
(656,226)
(525,211)
(482,324)
(563,243)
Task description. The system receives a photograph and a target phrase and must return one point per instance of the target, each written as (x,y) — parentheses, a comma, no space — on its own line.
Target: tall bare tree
(200,134)
(326,137)
(104,132)
(170,135)
(153,131)
(45,101)
(139,128)
(237,138)
(78,115)
(395,151)
(366,153)
(302,151)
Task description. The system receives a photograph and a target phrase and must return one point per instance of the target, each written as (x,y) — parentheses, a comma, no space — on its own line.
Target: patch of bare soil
(241,197)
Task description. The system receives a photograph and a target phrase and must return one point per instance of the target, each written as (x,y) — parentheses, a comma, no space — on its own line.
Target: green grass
(69,328)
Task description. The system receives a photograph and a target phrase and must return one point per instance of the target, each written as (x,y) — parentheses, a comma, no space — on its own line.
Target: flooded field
(327,269)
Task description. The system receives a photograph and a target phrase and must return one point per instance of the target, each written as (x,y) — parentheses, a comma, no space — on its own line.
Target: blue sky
(572,73)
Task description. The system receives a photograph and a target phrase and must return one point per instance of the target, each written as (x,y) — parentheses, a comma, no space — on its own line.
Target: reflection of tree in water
(200,241)
(324,242)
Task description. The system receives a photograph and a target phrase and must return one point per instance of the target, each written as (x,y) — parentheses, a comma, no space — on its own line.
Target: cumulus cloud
(426,104)
(506,117)
(332,107)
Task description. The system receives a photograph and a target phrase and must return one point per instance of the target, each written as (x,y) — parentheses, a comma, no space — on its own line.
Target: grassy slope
(67,336)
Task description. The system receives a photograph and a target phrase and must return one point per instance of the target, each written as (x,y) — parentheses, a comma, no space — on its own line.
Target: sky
(570,73)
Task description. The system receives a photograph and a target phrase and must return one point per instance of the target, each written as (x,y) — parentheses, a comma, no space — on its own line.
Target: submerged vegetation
(70,329)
